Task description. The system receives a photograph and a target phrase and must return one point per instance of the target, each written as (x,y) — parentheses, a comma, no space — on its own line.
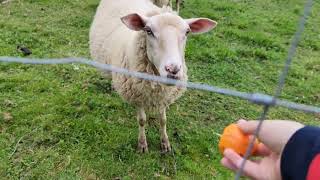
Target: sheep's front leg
(178,5)
(142,140)
(165,144)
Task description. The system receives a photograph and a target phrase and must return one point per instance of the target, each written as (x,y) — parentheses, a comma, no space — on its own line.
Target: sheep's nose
(172,69)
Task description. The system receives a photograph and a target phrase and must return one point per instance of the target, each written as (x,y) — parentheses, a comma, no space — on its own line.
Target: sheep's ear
(201,25)
(134,21)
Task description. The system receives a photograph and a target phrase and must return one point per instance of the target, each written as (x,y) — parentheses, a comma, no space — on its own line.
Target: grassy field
(65,122)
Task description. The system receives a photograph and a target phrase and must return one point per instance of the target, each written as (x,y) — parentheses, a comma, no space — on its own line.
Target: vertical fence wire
(282,79)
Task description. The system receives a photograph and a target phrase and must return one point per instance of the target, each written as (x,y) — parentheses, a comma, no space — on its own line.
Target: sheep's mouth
(170,76)
(173,77)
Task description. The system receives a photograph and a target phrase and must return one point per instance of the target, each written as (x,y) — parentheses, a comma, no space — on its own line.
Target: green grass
(66,123)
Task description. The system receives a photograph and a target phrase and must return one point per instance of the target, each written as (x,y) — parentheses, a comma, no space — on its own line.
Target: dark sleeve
(300,151)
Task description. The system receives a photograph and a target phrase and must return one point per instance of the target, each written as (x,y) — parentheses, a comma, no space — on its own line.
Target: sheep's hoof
(165,146)
(143,146)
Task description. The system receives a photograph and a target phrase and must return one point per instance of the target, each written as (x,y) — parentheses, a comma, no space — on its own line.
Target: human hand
(274,135)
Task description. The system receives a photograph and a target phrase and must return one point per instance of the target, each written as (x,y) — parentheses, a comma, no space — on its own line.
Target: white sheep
(162,3)
(139,36)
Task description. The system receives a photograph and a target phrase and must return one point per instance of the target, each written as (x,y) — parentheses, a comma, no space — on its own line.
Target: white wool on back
(111,42)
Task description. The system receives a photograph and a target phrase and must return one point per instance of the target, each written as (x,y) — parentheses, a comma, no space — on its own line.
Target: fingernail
(251,137)
(226,151)
(241,121)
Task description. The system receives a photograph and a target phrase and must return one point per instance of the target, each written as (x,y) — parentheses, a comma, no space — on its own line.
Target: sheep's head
(166,39)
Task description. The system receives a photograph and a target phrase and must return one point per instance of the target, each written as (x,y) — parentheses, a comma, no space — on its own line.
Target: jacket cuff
(298,153)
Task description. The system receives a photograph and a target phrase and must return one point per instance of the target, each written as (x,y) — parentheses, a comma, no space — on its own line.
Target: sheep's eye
(188,31)
(149,31)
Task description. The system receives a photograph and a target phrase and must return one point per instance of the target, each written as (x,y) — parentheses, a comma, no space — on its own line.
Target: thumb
(248,127)
(273,133)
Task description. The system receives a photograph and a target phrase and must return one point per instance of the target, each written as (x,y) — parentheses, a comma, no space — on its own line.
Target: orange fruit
(233,138)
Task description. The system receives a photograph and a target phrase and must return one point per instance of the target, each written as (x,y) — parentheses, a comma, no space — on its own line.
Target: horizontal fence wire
(256,98)
(281,83)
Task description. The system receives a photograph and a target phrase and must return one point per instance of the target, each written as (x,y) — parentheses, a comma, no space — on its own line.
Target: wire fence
(257,98)
(267,101)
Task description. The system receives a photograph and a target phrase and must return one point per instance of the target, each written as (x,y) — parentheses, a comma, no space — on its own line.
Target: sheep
(139,36)
(162,3)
